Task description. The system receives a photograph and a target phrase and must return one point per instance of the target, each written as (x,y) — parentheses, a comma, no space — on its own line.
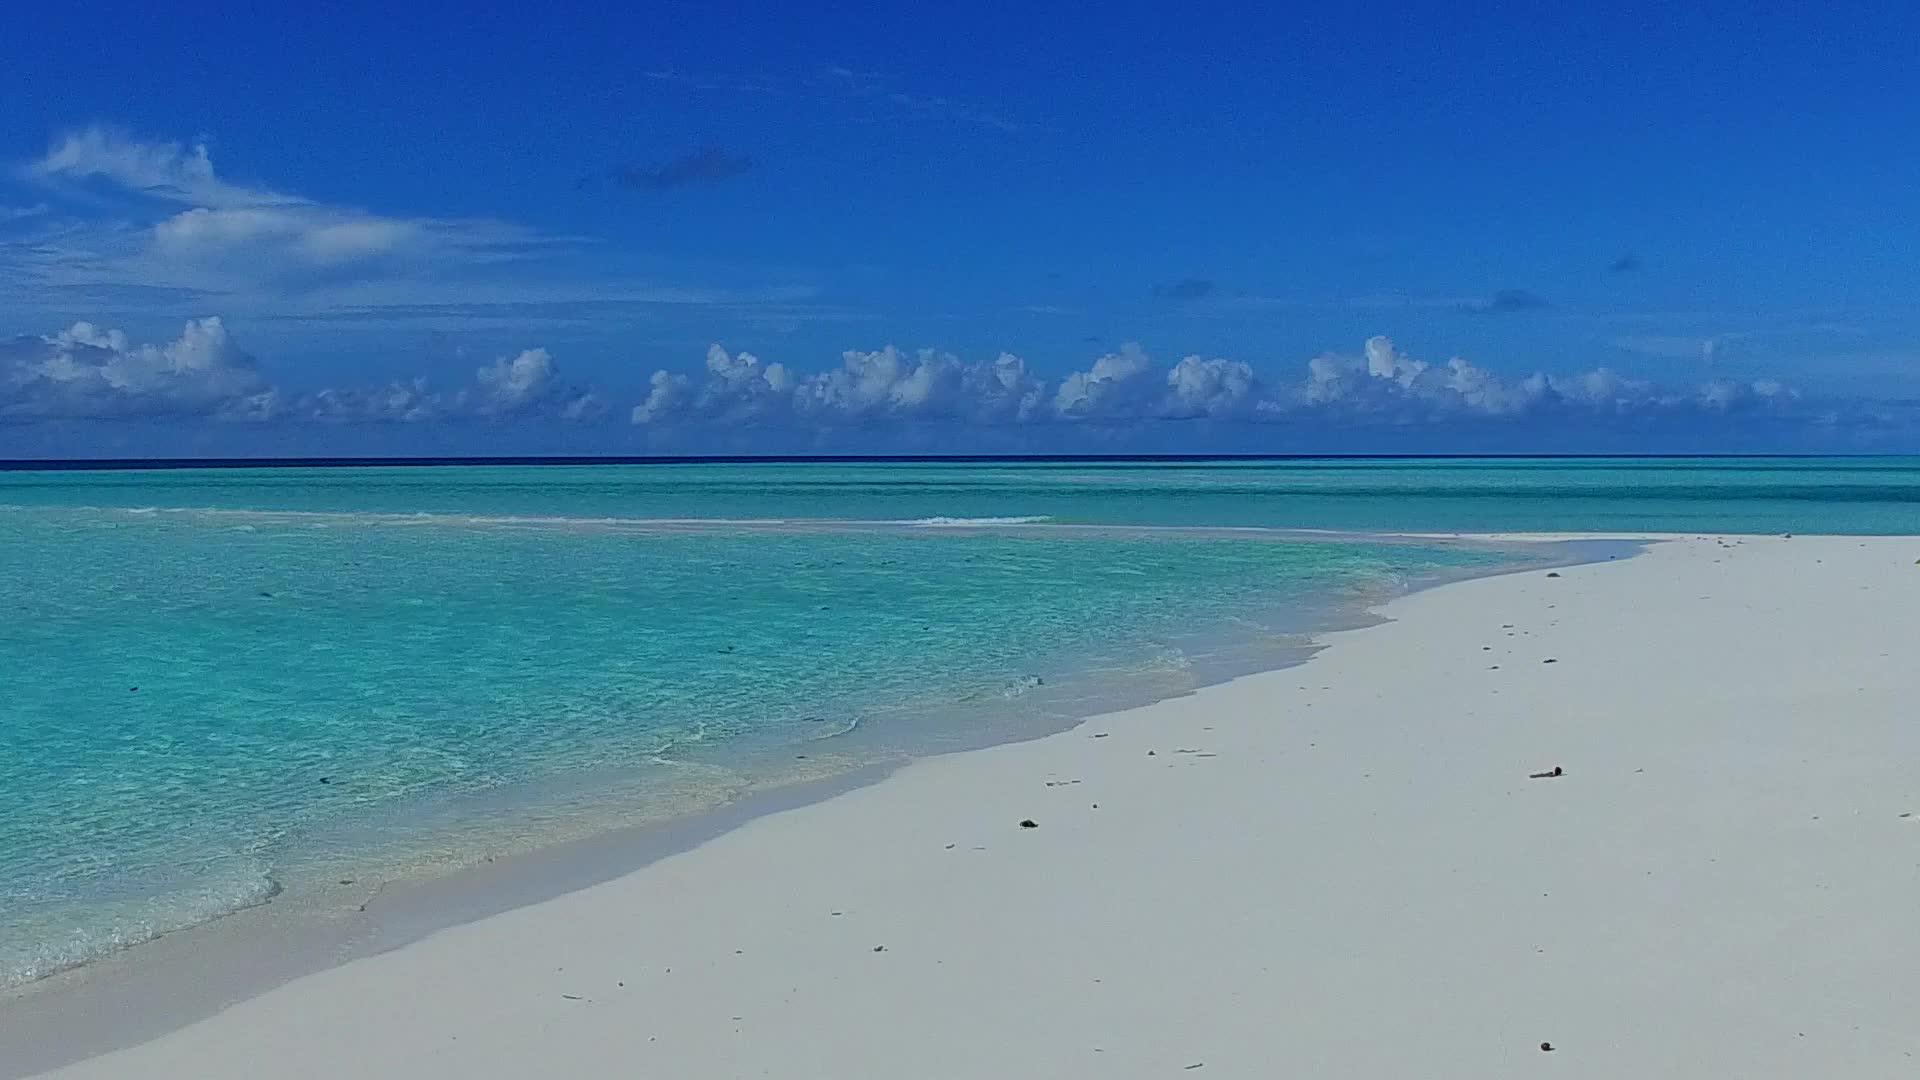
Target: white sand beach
(1341,869)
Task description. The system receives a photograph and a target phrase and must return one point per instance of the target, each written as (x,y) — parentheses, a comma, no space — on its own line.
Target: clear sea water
(216,685)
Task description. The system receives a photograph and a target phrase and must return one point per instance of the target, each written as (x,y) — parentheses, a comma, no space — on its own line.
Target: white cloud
(313,236)
(149,224)
(523,386)
(1386,383)
(1216,387)
(1381,383)
(88,371)
(92,372)
(159,214)
(163,170)
(408,401)
(528,383)
(667,395)
(1114,384)
(885,384)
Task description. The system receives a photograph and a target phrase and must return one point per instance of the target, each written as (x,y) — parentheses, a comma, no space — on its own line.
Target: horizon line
(428,461)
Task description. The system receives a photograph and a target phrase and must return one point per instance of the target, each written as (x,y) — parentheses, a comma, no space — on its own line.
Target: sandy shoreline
(1334,869)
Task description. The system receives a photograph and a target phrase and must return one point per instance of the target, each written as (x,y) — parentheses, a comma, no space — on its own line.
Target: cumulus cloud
(90,371)
(529,383)
(527,386)
(1385,383)
(885,384)
(1379,384)
(1198,387)
(1116,384)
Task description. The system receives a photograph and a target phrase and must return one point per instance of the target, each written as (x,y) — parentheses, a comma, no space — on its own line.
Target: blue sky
(400,229)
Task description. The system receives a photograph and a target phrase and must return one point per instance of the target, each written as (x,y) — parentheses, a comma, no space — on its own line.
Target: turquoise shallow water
(1853,495)
(217,684)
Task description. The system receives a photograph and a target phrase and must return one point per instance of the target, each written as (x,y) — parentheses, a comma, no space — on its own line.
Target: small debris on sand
(1553,573)
(1549,660)
(879,948)
(1547,1046)
(1029,823)
(1548,775)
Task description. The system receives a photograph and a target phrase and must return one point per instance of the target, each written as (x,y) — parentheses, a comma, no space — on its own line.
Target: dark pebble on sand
(1548,1047)
(1029,823)
(1549,660)
(1554,573)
